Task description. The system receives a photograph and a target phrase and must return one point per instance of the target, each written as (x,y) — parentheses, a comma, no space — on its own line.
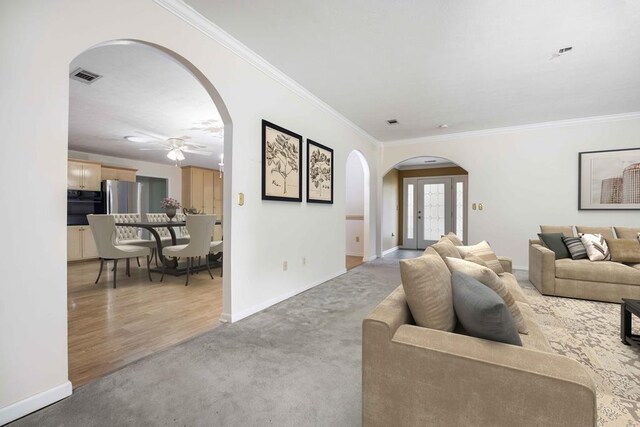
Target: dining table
(170,264)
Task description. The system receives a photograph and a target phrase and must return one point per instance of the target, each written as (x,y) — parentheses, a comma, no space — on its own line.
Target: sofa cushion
(454,238)
(489,278)
(481,311)
(567,230)
(597,248)
(483,251)
(606,232)
(475,259)
(427,285)
(554,242)
(576,247)
(627,232)
(624,250)
(510,281)
(535,339)
(446,248)
(602,271)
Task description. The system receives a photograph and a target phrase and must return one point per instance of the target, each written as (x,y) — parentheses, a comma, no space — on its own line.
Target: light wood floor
(353,261)
(110,328)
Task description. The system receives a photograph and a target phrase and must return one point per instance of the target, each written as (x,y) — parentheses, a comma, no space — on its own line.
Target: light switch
(241,199)
(474,206)
(480,207)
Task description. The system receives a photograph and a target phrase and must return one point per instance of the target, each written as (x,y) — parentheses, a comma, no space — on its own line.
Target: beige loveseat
(415,376)
(593,280)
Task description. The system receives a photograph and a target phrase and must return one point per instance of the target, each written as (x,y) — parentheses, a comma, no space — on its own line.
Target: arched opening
(144,125)
(357,209)
(423,198)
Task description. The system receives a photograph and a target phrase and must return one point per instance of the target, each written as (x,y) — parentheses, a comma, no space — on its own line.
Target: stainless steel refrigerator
(121,196)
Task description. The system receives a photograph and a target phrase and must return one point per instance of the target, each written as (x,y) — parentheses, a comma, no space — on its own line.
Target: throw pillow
(481,312)
(454,238)
(476,260)
(483,251)
(624,250)
(490,279)
(446,248)
(427,285)
(554,242)
(575,247)
(597,249)
(627,232)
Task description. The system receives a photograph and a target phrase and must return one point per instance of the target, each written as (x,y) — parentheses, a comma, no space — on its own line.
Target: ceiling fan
(175,147)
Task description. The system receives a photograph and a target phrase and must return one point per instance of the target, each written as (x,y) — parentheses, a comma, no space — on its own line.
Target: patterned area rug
(589,332)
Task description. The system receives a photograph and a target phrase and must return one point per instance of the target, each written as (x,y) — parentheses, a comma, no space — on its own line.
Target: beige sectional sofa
(415,376)
(606,281)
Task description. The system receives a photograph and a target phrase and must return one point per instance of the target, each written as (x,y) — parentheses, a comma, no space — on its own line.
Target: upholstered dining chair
(200,228)
(163,232)
(132,235)
(183,234)
(103,228)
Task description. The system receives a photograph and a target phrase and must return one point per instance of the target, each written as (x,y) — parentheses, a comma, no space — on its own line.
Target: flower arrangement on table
(170,205)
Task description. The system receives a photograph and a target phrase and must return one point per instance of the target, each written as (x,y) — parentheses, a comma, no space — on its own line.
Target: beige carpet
(589,332)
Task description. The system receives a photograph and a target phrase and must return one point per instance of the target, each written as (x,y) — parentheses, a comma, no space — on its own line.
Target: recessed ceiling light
(392,122)
(135,138)
(443,126)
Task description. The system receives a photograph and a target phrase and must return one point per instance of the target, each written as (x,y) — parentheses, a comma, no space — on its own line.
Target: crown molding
(510,129)
(185,12)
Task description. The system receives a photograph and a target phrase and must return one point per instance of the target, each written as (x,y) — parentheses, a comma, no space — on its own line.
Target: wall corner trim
(26,406)
(185,12)
(388,251)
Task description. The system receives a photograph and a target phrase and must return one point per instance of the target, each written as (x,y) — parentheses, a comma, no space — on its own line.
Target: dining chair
(163,232)
(200,228)
(183,233)
(103,228)
(132,235)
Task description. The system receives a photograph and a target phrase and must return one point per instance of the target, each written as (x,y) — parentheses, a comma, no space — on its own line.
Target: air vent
(84,76)
(392,122)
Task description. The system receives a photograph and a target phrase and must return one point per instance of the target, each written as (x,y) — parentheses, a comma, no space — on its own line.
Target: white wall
(526,176)
(390,210)
(354,208)
(38,40)
(172,174)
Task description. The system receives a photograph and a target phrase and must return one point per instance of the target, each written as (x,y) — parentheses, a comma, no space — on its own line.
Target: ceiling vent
(84,76)
(392,122)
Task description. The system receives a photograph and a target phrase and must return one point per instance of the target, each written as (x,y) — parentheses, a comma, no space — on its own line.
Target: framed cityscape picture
(319,173)
(281,164)
(609,180)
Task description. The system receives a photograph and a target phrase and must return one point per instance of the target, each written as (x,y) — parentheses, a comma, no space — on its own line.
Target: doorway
(356,210)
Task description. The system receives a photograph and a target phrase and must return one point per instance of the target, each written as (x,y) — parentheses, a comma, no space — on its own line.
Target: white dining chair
(132,235)
(103,228)
(200,228)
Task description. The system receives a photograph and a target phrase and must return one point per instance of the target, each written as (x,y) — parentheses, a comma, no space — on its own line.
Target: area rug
(589,332)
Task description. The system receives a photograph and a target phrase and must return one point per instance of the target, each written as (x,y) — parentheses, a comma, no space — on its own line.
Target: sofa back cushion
(627,232)
(481,311)
(426,281)
(567,230)
(445,248)
(606,232)
(454,238)
(624,250)
(483,251)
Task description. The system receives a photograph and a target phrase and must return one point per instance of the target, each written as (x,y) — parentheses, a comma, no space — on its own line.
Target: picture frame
(319,173)
(281,163)
(609,179)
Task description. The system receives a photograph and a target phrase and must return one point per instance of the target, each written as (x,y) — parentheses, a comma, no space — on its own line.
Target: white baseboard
(35,402)
(371,258)
(388,251)
(515,267)
(234,317)
(225,318)
(353,254)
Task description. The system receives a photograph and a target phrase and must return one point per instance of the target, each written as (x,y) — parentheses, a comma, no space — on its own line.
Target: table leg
(625,323)
(164,260)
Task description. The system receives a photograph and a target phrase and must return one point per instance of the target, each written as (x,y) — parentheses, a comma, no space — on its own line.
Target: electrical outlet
(357,239)
(304,261)
(285,265)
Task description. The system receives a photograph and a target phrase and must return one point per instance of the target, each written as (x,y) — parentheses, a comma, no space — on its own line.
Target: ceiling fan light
(179,155)
(173,154)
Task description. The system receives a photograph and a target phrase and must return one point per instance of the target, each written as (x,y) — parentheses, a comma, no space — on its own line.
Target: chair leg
(99,272)
(138,261)
(162,277)
(155,252)
(128,268)
(115,270)
(206,259)
(149,268)
(188,271)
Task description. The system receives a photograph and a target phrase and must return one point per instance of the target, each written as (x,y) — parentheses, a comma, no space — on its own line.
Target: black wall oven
(82,203)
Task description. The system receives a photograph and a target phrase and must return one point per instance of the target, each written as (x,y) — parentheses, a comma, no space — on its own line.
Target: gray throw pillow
(481,311)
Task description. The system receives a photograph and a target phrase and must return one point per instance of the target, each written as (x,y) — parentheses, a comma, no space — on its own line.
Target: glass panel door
(434,210)
(409,215)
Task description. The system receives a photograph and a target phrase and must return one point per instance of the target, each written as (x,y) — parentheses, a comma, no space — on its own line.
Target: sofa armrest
(429,377)
(542,269)
(506,263)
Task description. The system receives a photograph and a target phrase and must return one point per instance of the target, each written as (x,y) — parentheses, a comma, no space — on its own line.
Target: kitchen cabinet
(202,190)
(80,243)
(118,174)
(83,175)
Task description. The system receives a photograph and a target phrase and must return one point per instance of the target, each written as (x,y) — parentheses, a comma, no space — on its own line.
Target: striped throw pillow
(483,251)
(597,249)
(576,247)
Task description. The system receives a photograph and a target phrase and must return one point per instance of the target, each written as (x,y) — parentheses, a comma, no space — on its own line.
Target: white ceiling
(143,90)
(425,162)
(472,64)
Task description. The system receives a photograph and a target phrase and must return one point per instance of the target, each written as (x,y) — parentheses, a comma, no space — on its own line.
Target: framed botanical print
(609,180)
(319,173)
(281,164)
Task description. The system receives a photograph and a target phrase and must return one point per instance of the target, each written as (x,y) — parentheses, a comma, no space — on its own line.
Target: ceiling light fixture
(221,164)
(175,155)
(136,138)
(392,122)
(443,126)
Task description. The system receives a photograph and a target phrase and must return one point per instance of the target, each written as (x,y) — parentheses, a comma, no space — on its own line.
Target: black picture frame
(316,177)
(585,178)
(272,158)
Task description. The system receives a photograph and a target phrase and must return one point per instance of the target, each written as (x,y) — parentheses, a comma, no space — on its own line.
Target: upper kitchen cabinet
(118,174)
(198,189)
(83,175)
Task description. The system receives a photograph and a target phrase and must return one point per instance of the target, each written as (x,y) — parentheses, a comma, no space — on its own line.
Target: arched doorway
(144,96)
(423,198)
(357,201)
